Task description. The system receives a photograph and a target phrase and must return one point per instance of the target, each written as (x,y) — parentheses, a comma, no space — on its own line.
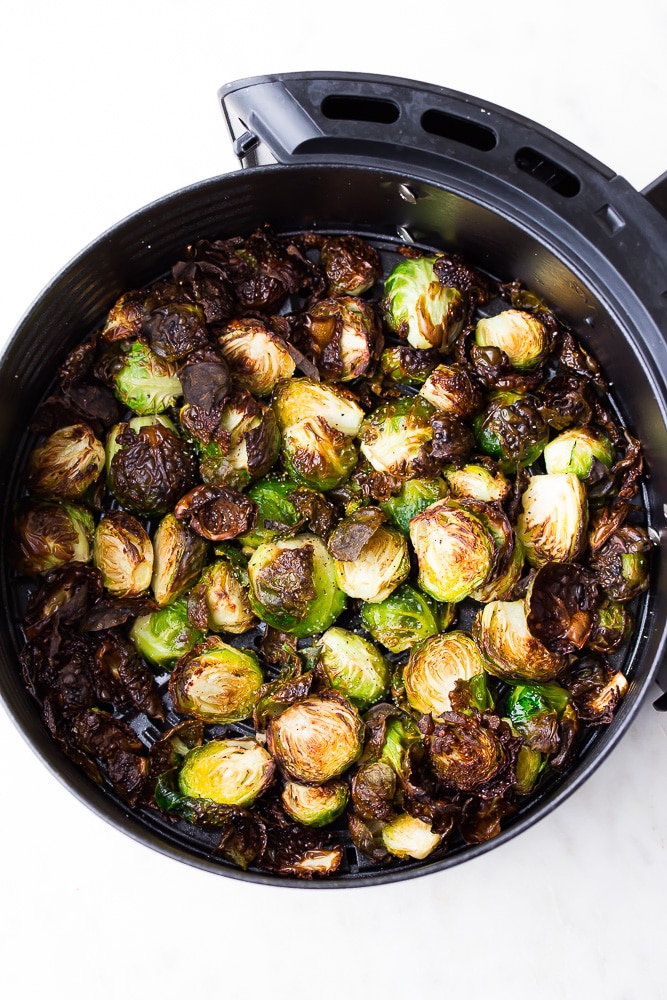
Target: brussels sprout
(215,682)
(465,754)
(65,464)
(293,585)
(511,430)
(414,497)
(148,465)
(434,667)
(509,648)
(354,667)
(317,739)
(509,559)
(451,390)
(344,336)
(534,711)
(165,635)
(179,557)
(396,438)
(477,482)
(554,520)
(529,766)
(230,772)
(373,790)
(315,805)
(595,688)
(408,365)
(521,335)
(405,618)
(382,564)
(257,358)
(612,626)
(251,443)
(317,423)
(577,450)
(125,318)
(560,603)
(351,265)
(48,534)
(454,550)
(123,553)
(219,602)
(146,383)
(621,565)
(409,837)
(174,328)
(418,308)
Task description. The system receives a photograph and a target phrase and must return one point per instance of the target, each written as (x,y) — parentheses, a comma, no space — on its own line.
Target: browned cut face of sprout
(331,550)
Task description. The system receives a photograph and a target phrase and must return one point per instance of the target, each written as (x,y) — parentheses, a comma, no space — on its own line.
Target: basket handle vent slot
(352,108)
(461,130)
(547,172)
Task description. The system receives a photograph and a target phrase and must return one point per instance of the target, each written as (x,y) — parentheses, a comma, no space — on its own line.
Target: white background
(106,107)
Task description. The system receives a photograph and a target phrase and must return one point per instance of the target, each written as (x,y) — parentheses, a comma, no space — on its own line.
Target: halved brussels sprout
(464,753)
(64,465)
(354,667)
(408,365)
(293,585)
(317,739)
(529,766)
(165,635)
(409,837)
(455,551)
(299,399)
(415,496)
(521,335)
(534,711)
(144,382)
(511,430)
(257,358)
(477,482)
(418,308)
(576,450)
(351,265)
(554,520)
(382,564)
(396,438)
(179,557)
(315,805)
(123,553)
(48,534)
(509,560)
(621,565)
(509,648)
(434,667)
(216,682)
(149,467)
(251,443)
(230,772)
(345,337)
(451,390)
(272,496)
(405,618)
(612,626)
(219,602)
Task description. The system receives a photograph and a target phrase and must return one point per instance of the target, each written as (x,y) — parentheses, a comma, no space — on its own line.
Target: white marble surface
(104,108)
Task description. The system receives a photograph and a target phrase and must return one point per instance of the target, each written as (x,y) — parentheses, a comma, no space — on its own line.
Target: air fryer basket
(394,161)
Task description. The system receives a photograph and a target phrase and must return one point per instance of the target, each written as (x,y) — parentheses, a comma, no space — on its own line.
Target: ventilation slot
(459,130)
(339,107)
(547,172)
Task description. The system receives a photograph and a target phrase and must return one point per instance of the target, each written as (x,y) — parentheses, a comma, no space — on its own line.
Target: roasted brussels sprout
(554,519)
(378,568)
(174,328)
(561,602)
(293,585)
(258,359)
(317,739)
(275,510)
(418,308)
(408,365)
(396,438)
(477,481)
(163,636)
(464,753)
(230,772)
(414,497)
(511,430)
(455,551)
(534,712)
(621,565)
(585,451)
(595,689)
(65,464)
(405,618)
(149,467)
(48,534)
(300,400)
(315,805)
(612,627)
(409,837)
(215,682)
(450,389)
(145,382)
(217,513)
(123,553)
(245,445)
(353,667)
(343,334)
(219,602)
(352,266)
(179,557)
(434,667)
(510,649)
(521,335)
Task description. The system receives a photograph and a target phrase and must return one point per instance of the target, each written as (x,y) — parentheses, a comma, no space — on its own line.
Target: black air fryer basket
(394,161)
